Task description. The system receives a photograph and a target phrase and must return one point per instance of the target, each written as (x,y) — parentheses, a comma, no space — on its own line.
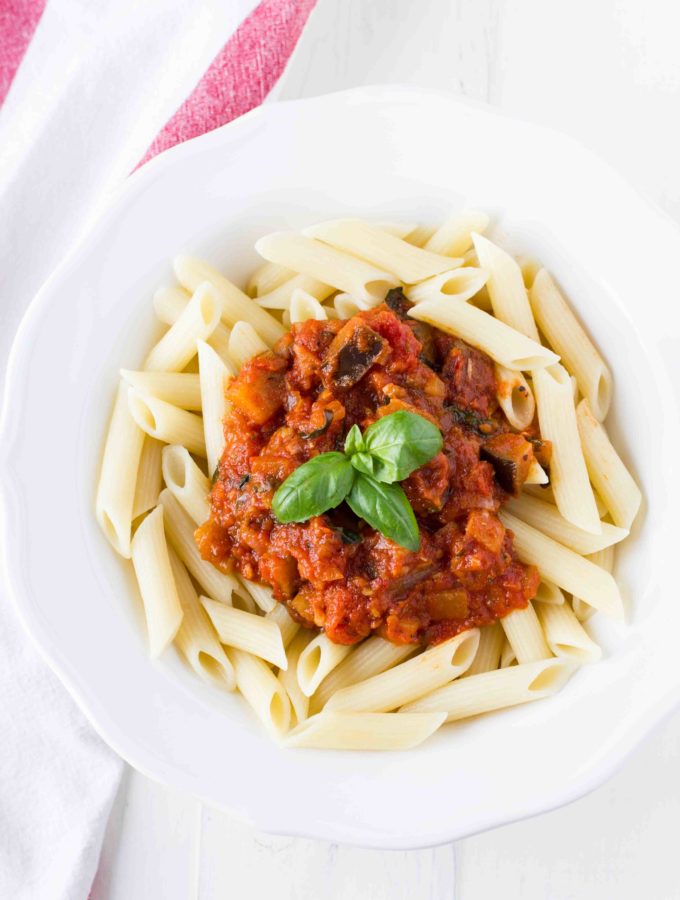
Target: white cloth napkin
(99,80)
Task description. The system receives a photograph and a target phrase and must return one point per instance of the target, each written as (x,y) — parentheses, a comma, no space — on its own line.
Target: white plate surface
(385,152)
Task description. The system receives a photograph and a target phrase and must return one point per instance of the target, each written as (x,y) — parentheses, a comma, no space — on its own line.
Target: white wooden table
(608,73)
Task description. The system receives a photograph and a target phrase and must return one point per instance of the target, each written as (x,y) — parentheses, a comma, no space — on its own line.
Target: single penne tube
(166,422)
(542,492)
(179,388)
(180,530)
(454,235)
(530,267)
(506,287)
(198,320)
(565,635)
(252,633)
(605,560)
(568,472)
(149,477)
(169,302)
(118,476)
(151,562)
(214,375)
(186,482)
(411,679)
(386,251)
(196,638)
(236,306)
(502,343)
(549,593)
(262,594)
(420,235)
(288,626)
(266,278)
(279,298)
(458,285)
(537,475)
(369,658)
(303,306)
(566,336)
(319,657)
(245,343)
(497,690)
(262,690)
(611,478)
(488,655)
(571,572)
(364,731)
(327,264)
(548,519)
(508,655)
(347,306)
(288,676)
(515,397)
(525,635)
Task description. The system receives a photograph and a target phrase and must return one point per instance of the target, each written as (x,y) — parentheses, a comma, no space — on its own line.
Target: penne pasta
(568,338)
(252,633)
(611,478)
(369,658)
(196,638)
(245,343)
(605,560)
(151,562)
(508,655)
(180,531)
(530,268)
(496,690)
(459,285)
(488,655)
(279,298)
(504,345)
(262,595)
(454,235)
(525,635)
(565,568)
(548,593)
(547,518)
(266,278)
(506,288)
(186,482)
(166,422)
(515,397)
(236,306)
(328,265)
(149,477)
(319,658)
(536,475)
(386,251)
(565,635)
(198,320)
(409,680)
(364,731)
(118,475)
(303,306)
(568,473)
(347,306)
(214,376)
(169,302)
(287,625)
(288,676)
(179,388)
(262,690)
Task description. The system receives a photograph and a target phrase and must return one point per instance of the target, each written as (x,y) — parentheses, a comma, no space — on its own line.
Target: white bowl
(385,152)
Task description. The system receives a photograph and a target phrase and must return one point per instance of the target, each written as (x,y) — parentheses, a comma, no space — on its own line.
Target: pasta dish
(372,491)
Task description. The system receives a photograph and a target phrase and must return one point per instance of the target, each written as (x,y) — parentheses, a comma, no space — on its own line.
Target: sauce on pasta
(333,571)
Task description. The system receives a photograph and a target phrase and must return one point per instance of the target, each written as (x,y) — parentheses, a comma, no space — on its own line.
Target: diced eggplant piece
(355,348)
(425,334)
(259,390)
(398,302)
(511,456)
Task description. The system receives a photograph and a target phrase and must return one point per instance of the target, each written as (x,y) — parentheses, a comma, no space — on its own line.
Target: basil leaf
(319,484)
(367,464)
(354,442)
(386,508)
(401,443)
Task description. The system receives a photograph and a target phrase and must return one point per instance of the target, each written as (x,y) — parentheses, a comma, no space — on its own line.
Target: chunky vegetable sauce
(333,571)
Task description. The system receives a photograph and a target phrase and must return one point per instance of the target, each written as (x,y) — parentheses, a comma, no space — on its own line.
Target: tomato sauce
(333,571)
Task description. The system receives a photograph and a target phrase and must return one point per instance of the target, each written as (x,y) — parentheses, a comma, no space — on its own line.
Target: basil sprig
(365,475)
